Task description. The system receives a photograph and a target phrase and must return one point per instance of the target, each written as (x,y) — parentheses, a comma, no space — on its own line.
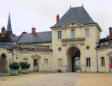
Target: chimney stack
(24,32)
(33,31)
(13,35)
(110,32)
(3,32)
(57,18)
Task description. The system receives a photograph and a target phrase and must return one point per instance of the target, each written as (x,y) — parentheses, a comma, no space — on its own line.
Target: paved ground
(96,79)
(42,79)
(58,79)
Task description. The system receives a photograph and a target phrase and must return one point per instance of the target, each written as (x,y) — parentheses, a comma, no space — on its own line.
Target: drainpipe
(12,56)
(96,60)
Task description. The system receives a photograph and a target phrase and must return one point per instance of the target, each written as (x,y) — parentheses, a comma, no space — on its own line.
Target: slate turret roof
(77,14)
(9,27)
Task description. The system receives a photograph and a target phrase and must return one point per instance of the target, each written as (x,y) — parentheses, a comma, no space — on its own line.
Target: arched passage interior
(73,60)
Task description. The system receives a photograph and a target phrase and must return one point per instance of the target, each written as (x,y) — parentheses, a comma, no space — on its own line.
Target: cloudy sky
(26,14)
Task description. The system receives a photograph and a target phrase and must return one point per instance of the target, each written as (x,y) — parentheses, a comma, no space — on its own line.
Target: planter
(24,67)
(14,72)
(14,68)
(24,71)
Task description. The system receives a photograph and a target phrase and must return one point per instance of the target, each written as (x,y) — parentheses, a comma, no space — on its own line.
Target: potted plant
(14,68)
(24,67)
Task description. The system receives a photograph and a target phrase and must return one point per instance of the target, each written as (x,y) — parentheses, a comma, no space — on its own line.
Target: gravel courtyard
(96,79)
(58,79)
(42,79)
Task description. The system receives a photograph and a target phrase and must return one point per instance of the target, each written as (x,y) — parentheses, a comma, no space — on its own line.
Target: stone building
(72,45)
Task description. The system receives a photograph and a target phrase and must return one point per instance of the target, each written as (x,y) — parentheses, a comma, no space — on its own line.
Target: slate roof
(15,39)
(38,37)
(77,14)
(8,45)
(105,39)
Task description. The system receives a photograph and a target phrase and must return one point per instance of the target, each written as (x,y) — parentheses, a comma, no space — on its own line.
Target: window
(35,62)
(73,33)
(16,57)
(87,33)
(88,63)
(46,61)
(102,61)
(25,59)
(87,47)
(59,49)
(59,35)
(59,62)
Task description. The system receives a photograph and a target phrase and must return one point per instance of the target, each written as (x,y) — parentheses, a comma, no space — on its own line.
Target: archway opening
(3,63)
(73,60)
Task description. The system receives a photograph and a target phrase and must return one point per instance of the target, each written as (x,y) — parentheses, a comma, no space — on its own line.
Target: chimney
(24,32)
(57,18)
(3,32)
(110,32)
(13,35)
(33,31)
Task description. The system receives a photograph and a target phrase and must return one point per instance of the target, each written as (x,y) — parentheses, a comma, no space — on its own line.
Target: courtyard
(58,79)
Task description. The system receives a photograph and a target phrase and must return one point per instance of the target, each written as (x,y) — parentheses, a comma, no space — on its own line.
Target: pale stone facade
(72,47)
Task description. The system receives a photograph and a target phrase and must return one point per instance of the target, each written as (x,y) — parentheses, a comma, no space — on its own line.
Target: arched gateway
(3,63)
(73,60)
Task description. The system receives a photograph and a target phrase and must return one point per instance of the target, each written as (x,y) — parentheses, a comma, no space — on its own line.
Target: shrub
(28,66)
(24,65)
(14,65)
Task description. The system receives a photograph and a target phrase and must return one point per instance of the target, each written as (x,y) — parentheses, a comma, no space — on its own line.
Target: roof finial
(70,6)
(82,5)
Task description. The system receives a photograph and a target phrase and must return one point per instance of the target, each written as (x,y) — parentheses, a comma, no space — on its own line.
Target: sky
(41,14)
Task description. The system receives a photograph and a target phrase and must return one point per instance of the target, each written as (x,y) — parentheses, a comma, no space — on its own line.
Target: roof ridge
(77,7)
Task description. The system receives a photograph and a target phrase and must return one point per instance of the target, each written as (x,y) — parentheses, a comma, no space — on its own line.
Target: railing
(73,39)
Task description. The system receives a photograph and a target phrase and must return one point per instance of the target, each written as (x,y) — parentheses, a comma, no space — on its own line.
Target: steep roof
(8,45)
(9,27)
(39,37)
(105,39)
(77,14)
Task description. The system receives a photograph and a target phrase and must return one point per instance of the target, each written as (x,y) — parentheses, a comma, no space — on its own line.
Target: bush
(14,65)
(28,66)
(24,65)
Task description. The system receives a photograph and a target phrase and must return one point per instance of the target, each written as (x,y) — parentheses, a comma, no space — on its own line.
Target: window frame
(87,32)
(60,64)
(88,62)
(102,61)
(59,35)
(72,33)
(59,49)
(45,61)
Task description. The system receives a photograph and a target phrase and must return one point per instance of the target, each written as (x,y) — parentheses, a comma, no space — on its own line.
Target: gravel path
(42,79)
(63,79)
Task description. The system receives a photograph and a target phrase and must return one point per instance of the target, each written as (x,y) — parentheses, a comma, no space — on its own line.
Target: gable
(73,24)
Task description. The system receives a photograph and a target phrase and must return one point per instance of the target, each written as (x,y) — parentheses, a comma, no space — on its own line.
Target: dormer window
(73,33)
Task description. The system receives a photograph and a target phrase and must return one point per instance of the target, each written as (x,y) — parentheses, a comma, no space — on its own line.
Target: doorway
(73,60)
(35,65)
(3,63)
